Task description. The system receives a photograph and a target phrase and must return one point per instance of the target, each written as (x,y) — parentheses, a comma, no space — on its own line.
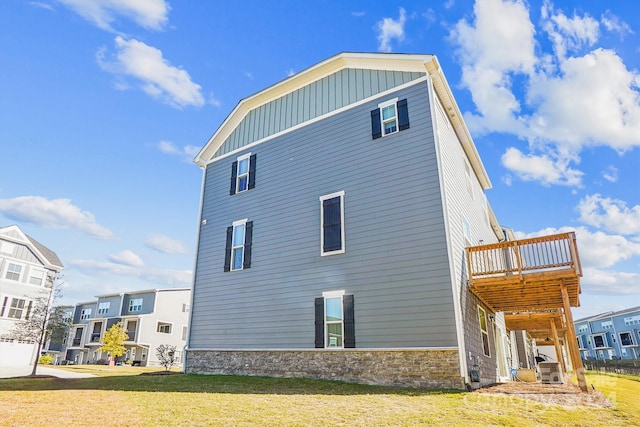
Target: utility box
(550,373)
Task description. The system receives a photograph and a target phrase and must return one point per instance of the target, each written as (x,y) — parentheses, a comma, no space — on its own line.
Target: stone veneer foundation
(437,368)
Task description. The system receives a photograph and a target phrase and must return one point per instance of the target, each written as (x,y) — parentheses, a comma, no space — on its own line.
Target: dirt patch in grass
(551,394)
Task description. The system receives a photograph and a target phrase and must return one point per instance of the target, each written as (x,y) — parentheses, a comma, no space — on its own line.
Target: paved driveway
(20,371)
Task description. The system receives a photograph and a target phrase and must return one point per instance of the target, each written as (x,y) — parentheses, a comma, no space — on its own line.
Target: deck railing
(538,254)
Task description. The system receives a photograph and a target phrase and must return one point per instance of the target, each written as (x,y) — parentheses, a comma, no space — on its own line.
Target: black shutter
(248,234)
(234,176)
(376,124)
(227,249)
(252,172)
(403,115)
(332,224)
(349,322)
(319,322)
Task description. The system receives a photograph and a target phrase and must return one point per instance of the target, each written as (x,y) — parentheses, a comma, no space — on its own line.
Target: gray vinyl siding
(316,99)
(395,264)
(460,203)
(114,308)
(148,303)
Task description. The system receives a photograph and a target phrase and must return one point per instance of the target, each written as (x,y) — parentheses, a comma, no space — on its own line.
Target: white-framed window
(135,304)
(36,276)
(484,331)
(466,229)
(185,308)
(580,339)
(626,339)
(164,328)
(599,341)
(632,320)
(176,355)
(13,271)
(237,244)
(18,308)
(583,328)
(389,116)
(184,333)
(332,233)
(103,307)
(607,325)
(334,319)
(485,207)
(242,180)
(85,314)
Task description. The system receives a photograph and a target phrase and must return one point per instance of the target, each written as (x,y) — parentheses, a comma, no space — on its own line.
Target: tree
(42,322)
(166,355)
(113,340)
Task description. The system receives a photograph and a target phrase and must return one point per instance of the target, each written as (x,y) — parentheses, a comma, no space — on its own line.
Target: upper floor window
(626,338)
(243,174)
(583,328)
(390,117)
(580,339)
(85,314)
(164,328)
(135,304)
(19,308)
(633,320)
(607,325)
(36,277)
(103,307)
(185,308)
(599,341)
(14,271)
(238,247)
(466,228)
(335,320)
(332,235)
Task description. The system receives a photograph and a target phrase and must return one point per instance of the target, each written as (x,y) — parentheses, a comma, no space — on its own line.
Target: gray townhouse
(27,272)
(336,210)
(611,335)
(151,317)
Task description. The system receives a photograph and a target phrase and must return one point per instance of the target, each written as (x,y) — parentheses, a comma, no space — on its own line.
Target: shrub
(45,360)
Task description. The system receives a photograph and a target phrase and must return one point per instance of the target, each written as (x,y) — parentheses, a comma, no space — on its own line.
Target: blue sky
(104,103)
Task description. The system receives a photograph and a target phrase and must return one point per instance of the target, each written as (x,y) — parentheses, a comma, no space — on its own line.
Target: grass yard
(124,398)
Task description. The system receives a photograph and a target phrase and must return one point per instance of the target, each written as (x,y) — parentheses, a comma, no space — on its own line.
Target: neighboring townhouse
(612,335)
(150,317)
(27,273)
(56,346)
(337,208)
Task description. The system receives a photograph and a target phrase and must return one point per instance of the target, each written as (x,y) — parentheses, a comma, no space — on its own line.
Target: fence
(628,367)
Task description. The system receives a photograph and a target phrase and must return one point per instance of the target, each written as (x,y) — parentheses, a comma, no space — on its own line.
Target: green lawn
(128,399)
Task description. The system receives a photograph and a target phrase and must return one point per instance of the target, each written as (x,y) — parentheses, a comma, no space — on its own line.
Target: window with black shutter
(243,174)
(237,254)
(332,224)
(334,321)
(390,117)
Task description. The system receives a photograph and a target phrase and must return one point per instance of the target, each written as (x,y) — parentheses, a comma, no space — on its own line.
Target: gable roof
(49,259)
(411,63)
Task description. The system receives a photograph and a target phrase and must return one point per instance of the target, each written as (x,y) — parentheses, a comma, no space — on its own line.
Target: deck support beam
(574,351)
(556,344)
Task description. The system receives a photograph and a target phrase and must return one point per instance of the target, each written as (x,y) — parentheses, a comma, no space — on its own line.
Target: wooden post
(573,341)
(556,344)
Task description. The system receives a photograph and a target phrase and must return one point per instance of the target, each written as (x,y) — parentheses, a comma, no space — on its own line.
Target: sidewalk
(21,371)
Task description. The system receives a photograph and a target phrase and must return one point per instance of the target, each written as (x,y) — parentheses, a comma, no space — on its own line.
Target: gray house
(336,208)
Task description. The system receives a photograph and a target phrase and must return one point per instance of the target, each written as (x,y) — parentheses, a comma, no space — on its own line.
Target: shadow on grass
(192,383)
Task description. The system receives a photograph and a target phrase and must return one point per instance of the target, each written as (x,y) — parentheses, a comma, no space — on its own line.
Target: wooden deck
(525,275)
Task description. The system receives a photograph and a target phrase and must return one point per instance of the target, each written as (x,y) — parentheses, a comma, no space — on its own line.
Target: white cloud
(568,33)
(597,249)
(41,5)
(128,258)
(610,214)
(390,29)
(165,244)
(602,282)
(155,277)
(157,77)
(542,168)
(187,152)
(55,213)
(358,14)
(149,14)
(560,104)
(614,24)
(610,174)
